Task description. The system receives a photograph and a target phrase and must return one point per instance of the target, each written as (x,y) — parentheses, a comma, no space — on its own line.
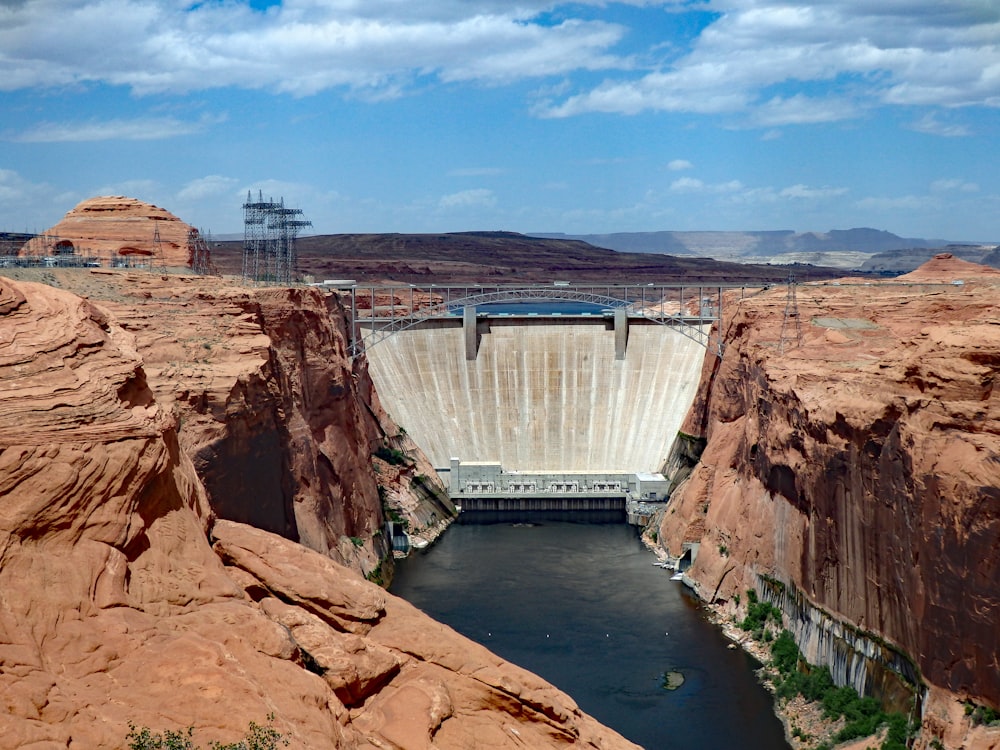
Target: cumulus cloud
(299,46)
(207,187)
(478,197)
(777,63)
(31,206)
(678,165)
(764,62)
(694,185)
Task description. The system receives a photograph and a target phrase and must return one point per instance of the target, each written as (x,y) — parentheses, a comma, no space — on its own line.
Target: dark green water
(583,606)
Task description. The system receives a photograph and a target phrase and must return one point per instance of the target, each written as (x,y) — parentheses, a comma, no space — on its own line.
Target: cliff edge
(851,475)
(125,600)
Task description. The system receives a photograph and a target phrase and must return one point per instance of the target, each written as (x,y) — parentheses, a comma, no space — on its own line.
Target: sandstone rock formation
(122,599)
(853,458)
(283,429)
(113,228)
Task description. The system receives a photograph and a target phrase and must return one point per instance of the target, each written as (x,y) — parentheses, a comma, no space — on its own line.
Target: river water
(583,606)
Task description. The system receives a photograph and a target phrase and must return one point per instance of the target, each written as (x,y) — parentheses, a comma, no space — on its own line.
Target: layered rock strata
(116,226)
(852,457)
(123,600)
(284,431)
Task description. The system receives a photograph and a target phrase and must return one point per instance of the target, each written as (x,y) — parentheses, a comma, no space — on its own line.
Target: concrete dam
(544,395)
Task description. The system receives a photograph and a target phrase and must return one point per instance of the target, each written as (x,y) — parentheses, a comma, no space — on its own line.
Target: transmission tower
(158,249)
(199,256)
(791,319)
(269,234)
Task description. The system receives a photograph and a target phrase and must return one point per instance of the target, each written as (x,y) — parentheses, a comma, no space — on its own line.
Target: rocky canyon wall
(123,598)
(283,429)
(852,460)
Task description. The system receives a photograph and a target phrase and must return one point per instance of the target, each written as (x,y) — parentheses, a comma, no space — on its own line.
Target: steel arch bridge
(389,309)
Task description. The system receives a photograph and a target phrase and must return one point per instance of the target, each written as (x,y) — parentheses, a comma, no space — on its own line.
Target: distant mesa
(113,227)
(862,249)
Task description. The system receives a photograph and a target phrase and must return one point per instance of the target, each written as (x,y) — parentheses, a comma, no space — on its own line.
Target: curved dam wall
(540,396)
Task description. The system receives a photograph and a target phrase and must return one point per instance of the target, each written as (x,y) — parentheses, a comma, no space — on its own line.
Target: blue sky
(452,115)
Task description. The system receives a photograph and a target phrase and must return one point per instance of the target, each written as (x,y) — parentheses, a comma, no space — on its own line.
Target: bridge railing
(388,309)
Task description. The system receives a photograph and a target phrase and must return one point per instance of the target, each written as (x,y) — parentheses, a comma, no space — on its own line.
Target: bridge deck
(387,309)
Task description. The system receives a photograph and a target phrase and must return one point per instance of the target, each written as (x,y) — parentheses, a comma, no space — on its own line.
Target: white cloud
(775,63)
(800,110)
(27,206)
(207,187)
(902,202)
(952,185)
(678,165)
(764,62)
(930,125)
(478,197)
(140,129)
(694,185)
(806,192)
(687,185)
(300,46)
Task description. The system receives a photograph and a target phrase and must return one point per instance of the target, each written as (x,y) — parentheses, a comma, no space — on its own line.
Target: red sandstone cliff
(282,428)
(853,456)
(121,599)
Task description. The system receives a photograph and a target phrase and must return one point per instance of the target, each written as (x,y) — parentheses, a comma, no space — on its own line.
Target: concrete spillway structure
(540,395)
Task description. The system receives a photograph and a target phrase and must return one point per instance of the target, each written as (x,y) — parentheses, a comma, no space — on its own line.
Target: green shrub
(862,716)
(981,714)
(258,738)
(391,455)
(785,654)
(899,728)
(377,576)
(145,739)
(759,613)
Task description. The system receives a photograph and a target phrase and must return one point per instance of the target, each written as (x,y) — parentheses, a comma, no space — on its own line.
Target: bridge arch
(647,302)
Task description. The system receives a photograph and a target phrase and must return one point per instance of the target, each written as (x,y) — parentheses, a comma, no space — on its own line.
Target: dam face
(540,396)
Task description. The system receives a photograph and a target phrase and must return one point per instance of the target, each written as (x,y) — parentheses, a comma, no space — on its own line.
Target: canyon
(842,458)
(197,481)
(137,410)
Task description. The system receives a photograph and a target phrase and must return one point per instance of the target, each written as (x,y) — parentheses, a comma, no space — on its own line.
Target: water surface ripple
(583,606)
